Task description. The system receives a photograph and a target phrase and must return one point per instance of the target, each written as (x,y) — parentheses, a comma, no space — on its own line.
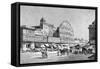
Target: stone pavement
(35,57)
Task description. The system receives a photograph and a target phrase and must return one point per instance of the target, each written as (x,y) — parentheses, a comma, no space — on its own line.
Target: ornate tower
(42,20)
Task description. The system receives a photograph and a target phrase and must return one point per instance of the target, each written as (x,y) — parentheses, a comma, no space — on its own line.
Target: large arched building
(66,33)
(46,33)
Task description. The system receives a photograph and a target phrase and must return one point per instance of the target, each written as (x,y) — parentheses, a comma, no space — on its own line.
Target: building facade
(92,35)
(36,34)
(48,29)
(46,33)
(66,32)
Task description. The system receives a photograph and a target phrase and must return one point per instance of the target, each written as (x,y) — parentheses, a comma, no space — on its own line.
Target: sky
(80,19)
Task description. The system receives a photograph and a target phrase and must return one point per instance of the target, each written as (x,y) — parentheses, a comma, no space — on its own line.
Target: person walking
(44,51)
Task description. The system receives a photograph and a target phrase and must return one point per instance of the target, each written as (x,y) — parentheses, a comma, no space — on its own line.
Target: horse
(62,51)
(84,51)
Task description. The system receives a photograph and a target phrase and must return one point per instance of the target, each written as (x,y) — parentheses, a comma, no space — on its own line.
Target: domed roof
(65,24)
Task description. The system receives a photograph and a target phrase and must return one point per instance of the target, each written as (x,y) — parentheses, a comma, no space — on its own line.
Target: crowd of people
(61,49)
(66,50)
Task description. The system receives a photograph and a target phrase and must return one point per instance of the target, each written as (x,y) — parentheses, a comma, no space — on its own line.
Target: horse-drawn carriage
(63,50)
(86,49)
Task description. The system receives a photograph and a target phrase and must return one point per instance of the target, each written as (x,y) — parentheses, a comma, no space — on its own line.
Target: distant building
(92,32)
(80,41)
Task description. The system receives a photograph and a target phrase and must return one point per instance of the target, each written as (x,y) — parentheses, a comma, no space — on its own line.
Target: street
(35,57)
